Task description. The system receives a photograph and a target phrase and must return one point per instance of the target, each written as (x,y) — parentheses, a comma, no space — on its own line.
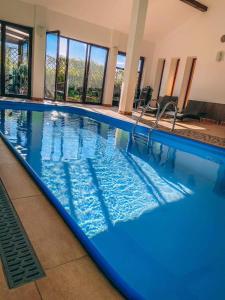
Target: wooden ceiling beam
(196,4)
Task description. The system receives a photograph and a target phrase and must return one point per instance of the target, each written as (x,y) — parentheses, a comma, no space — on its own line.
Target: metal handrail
(158,115)
(163,111)
(144,109)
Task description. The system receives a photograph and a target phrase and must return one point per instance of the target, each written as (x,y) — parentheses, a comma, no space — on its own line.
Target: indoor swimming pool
(151,215)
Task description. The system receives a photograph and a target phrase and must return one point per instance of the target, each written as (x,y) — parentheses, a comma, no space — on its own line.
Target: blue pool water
(153,216)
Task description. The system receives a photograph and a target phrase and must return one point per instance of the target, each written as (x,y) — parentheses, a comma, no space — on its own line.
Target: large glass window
(120,66)
(75,70)
(96,74)
(15,53)
(50,64)
(61,71)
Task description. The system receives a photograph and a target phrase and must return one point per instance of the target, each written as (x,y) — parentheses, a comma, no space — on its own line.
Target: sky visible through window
(77,49)
(121,60)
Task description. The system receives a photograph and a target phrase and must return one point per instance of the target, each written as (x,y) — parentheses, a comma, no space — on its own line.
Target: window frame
(86,71)
(29,30)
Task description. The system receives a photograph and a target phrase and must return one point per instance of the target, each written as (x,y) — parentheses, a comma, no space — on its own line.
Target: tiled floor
(70,272)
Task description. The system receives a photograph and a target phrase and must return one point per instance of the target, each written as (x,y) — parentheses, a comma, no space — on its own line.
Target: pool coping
(190,134)
(104,265)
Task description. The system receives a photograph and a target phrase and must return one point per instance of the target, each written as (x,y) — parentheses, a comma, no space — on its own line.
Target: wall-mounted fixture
(196,4)
(222,39)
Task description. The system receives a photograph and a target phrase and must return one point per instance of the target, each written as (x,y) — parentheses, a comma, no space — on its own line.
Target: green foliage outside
(118,84)
(16,74)
(75,79)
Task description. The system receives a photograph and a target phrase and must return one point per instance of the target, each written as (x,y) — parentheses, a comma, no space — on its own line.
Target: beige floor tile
(76,280)
(5,155)
(54,243)
(25,292)
(17,181)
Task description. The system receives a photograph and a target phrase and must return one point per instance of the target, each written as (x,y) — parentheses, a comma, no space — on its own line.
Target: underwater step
(19,260)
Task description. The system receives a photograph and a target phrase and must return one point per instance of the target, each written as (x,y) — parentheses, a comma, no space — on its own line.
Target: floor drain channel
(19,260)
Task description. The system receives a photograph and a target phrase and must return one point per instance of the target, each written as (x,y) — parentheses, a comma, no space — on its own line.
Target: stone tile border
(203,137)
(192,134)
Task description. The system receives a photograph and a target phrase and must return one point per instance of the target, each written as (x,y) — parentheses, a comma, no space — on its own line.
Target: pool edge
(116,281)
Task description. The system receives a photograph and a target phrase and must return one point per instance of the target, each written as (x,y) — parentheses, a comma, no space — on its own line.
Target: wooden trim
(196,4)
(125,113)
(107,105)
(175,76)
(189,82)
(37,99)
(161,78)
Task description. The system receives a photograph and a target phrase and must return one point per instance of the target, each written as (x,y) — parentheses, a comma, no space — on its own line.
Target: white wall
(17,12)
(200,37)
(25,14)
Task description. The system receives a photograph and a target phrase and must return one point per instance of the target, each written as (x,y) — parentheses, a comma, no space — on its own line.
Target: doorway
(16,57)
(119,76)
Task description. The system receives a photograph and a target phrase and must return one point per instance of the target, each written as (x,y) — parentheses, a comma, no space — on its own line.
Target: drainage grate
(19,260)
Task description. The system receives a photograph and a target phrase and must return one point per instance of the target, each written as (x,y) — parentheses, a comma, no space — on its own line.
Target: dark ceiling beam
(196,4)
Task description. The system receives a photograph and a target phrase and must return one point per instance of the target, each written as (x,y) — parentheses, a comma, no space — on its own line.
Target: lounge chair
(155,106)
(144,97)
(188,113)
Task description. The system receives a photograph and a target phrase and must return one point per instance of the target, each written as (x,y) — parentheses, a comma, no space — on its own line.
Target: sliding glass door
(52,41)
(15,60)
(96,74)
(75,71)
(61,71)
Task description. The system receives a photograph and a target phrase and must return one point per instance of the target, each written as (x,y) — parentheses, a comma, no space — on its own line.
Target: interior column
(110,77)
(39,38)
(137,25)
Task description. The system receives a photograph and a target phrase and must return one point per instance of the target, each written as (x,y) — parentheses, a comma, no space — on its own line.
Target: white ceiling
(163,15)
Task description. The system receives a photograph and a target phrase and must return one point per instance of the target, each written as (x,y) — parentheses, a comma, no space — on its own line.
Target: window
(50,64)
(120,65)
(15,50)
(75,71)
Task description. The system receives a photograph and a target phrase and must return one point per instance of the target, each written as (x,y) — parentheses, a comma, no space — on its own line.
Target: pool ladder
(159,115)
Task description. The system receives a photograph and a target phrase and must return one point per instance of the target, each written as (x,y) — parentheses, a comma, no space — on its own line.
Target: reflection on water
(111,185)
(97,172)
